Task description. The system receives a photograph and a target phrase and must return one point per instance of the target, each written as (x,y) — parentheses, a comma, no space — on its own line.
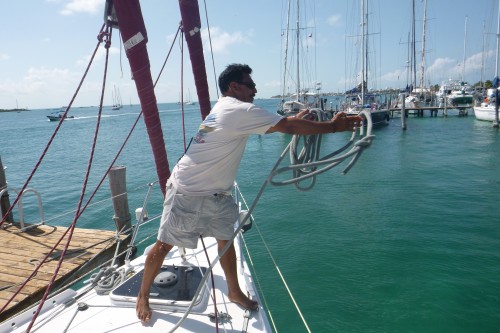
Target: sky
(46,46)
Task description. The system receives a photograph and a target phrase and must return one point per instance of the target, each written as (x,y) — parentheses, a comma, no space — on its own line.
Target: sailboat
(117,99)
(306,93)
(488,110)
(189,101)
(359,99)
(190,293)
(412,101)
(457,93)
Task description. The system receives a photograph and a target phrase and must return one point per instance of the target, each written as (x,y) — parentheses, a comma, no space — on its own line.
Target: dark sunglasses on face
(250,85)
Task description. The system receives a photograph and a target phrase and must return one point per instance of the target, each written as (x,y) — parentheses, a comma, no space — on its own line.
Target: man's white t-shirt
(211,163)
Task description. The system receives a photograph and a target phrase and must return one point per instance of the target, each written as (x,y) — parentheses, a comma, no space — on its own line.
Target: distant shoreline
(13,110)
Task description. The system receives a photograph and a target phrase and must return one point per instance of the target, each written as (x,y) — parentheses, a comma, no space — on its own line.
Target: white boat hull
(486,113)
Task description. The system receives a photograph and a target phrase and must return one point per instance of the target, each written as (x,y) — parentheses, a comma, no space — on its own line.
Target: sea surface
(407,241)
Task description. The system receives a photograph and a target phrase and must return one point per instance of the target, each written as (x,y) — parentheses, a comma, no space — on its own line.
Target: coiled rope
(304,165)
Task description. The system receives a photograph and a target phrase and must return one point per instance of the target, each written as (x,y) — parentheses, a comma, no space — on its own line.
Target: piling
(4,198)
(495,122)
(118,186)
(445,110)
(403,112)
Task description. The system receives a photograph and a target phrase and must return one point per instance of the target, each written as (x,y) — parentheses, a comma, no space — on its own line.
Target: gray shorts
(186,217)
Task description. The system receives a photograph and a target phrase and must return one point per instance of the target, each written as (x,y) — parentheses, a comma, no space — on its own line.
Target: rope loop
(305,165)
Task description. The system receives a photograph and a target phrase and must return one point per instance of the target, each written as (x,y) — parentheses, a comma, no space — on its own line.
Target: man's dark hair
(232,73)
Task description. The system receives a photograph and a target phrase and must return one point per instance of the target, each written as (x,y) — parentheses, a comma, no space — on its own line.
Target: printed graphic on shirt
(205,128)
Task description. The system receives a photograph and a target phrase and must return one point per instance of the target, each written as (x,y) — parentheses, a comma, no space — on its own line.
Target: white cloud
(82,6)
(4,57)
(334,20)
(100,55)
(222,40)
(442,68)
(394,78)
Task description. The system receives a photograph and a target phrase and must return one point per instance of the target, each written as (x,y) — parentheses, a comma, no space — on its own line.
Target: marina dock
(21,252)
(433,110)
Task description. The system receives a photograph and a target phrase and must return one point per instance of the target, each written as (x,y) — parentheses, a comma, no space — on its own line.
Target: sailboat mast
(482,59)
(286,50)
(465,49)
(422,64)
(498,41)
(298,51)
(414,55)
(363,51)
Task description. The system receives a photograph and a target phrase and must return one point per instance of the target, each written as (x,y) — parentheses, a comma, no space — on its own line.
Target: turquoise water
(407,241)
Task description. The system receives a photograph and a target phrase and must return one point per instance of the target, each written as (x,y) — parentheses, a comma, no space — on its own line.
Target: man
(203,178)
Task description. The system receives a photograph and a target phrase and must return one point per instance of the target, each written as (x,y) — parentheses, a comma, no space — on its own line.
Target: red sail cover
(134,36)
(191,23)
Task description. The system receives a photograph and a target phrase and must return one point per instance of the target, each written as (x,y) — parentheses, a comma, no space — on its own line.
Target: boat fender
(138,212)
(248,222)
(165,279)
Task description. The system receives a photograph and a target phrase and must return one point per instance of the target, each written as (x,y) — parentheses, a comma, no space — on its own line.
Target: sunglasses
(250,85)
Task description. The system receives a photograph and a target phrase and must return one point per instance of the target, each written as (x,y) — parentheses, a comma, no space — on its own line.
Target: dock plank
(21,252)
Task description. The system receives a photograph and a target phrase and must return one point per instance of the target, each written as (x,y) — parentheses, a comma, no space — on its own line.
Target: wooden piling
(497,102)
(118,186)
(403,112)
(4,199)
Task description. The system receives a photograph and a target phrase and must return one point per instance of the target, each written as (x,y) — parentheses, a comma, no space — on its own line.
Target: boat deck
(21,252)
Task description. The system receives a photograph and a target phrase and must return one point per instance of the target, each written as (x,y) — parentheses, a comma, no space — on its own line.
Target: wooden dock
(462,110)
(21,252)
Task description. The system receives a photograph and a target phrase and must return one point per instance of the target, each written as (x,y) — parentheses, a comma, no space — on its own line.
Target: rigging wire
(80,210)
(182,90)
(84,187)
(100,39)
(211,49)
(101,36)
(168,54)
(356,151)
(56,130)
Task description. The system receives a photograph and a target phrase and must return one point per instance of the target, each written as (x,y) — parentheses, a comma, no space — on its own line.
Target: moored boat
(379,114)
(306,93)
(360,99)
(488,109)
(455,93)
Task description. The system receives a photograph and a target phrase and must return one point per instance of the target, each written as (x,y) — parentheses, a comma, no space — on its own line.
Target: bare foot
(142,308)
(242,300)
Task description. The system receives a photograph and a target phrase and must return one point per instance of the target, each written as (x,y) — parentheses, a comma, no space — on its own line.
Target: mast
(414,55)
(465,48)
(422,65)
(286,50)
(298,51)
(498,41)
(482,60)
(363,51)
(495,80)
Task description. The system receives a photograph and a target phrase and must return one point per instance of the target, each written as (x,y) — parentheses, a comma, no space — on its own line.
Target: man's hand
(342,122)
(302,114)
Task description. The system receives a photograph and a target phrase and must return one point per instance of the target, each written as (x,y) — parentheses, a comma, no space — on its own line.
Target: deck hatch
(181,291)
